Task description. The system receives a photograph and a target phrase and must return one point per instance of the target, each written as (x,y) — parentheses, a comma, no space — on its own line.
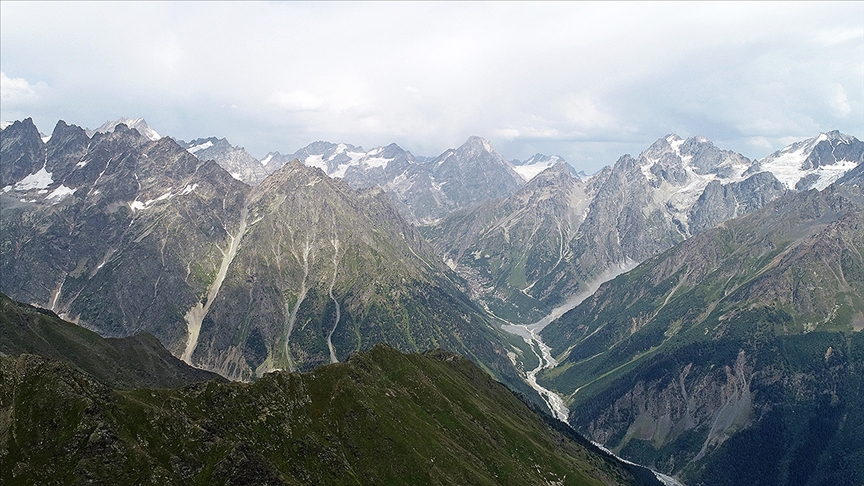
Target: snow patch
(199,147)
(137,205)
(266,159)
(81,164)
(189,188)
(528,172)
(59,194)
(828,174)
(374,162)
(316,161)
(40,180)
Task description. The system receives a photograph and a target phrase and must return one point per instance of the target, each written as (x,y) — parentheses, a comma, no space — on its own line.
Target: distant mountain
(814,163)
(134,123)
(734,357)
(235,160)
(423,191)
(555,237)
(503,247)
(126,235)
(536,164)
(380,418)
(132,362)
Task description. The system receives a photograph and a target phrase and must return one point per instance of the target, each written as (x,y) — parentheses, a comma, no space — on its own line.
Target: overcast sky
(586,81)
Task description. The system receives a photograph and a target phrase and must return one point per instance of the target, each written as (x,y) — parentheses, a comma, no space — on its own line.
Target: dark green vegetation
(737,354)
(381,417)
(131,362)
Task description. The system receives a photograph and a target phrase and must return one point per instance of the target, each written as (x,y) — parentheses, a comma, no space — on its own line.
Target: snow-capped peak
(201,146)
(5,124)
(816,162)
(137,123)
(336,159)
(537,163)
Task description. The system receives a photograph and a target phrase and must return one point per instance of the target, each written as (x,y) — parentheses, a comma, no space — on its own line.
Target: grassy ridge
(382,417)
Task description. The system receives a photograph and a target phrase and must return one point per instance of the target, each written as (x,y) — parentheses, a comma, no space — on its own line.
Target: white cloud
(839,101)
(506,133)
(840,35)
(549,77)
(297,101)
(16,91)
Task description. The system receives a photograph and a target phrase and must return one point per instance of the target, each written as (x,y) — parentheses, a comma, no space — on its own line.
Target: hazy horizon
(589,82)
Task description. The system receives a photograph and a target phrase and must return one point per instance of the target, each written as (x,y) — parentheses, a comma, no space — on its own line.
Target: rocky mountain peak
(235,160)
(137,123)
(478,143)
(816,162)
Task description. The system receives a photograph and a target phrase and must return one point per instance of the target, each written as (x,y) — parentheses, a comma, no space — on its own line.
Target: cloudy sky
(587,81)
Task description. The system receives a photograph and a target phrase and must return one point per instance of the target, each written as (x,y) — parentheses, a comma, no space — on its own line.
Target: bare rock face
(423,190)
(123,234)
(25,151)
(235,160)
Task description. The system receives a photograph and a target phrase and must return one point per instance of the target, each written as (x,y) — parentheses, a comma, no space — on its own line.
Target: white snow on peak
(136,123)
(316,161)
(198,147)
(373,162)
(535,165)
(266,159)
(828,174)
(5,124)
(40,180)
(787,164)
(366,160)
(59,194)
(237,176)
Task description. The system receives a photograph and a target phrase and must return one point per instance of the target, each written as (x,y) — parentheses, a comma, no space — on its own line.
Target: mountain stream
(531,334)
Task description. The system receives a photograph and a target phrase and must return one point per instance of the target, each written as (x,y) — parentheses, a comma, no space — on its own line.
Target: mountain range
(741,345)
(731,315)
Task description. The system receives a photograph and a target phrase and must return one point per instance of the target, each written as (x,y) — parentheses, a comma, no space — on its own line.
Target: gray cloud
(586,81)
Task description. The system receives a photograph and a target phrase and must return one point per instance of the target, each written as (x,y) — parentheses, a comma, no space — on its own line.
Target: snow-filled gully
(196,314)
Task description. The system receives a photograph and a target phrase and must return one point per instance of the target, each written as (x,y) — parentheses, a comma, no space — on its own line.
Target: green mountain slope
(381,417)
(681,362)
(131,362)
